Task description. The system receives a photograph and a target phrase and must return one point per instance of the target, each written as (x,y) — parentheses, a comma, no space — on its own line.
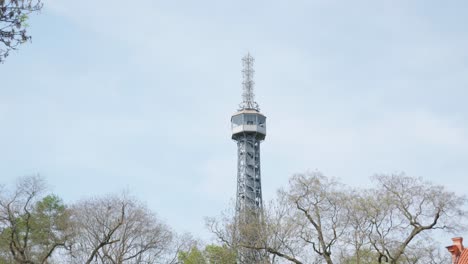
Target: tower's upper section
(248,119)
(248,96)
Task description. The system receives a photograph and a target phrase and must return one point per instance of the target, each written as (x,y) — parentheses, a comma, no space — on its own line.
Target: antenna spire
(248,95)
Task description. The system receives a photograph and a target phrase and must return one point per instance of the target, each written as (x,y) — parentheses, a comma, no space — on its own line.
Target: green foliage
(213,254)
(38,230)
(49,219)
(194,256)
(220,254)
(363,256)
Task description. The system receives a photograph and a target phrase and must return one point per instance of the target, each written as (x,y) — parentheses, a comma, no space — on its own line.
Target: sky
(112,95)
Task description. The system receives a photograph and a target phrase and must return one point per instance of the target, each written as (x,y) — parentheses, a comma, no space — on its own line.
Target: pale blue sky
(114,95)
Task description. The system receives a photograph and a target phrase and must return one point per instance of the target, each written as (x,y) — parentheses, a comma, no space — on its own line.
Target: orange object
(459,253)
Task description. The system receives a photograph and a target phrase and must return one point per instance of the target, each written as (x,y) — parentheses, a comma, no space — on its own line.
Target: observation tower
(248,130)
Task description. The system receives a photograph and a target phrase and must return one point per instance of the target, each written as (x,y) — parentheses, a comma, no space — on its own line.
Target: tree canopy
(14,15)
(212,254)
(32,225)
(317,219)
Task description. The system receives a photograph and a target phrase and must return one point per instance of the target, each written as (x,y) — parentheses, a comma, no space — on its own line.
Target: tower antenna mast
(248,96)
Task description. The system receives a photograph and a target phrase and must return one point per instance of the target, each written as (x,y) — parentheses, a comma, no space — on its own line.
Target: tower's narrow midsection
(249,184)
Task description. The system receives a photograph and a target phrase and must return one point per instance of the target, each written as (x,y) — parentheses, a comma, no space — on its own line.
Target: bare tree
(245,238)
(318,220)
(355,246)
(118,229)
(32,225)
(401,208)
(322,211)
(13,17)
(308,217)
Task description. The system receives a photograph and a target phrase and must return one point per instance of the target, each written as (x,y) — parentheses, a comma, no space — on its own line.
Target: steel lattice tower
(248,130)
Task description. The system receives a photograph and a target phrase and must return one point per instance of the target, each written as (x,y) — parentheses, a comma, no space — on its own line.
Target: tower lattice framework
(248,130)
